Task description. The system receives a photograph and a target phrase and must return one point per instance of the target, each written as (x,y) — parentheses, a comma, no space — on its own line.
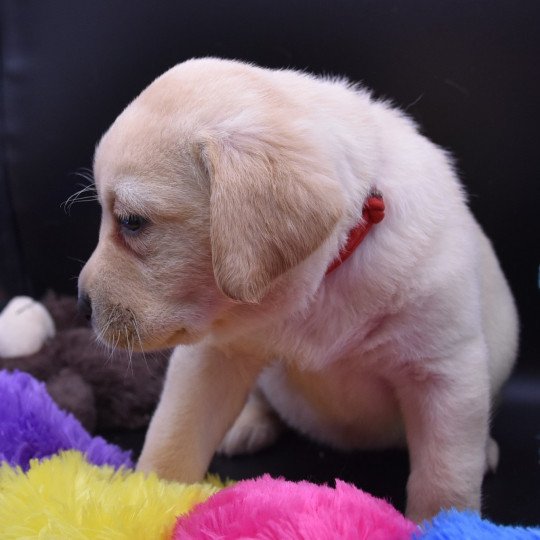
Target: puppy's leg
(446,418)
(204,392)
(255,428)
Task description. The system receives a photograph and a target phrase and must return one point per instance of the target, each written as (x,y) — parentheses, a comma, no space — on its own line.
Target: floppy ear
(269,210)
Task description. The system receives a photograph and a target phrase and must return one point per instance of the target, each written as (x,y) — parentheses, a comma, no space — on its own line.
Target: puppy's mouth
(120,328)
(130,339)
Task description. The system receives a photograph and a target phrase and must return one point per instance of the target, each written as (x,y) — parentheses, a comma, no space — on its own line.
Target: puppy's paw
(492,455)
(256,428)
(171,465)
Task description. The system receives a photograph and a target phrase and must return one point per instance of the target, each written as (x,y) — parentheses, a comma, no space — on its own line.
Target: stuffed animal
(275,508)
(268,508)
(24,326)
(56,481)
(105,390)
(67,495)
(33,427)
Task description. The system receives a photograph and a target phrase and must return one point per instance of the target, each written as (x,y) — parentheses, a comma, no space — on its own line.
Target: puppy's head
(209,192)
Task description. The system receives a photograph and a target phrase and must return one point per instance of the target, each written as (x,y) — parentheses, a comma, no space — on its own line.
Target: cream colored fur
(250,180)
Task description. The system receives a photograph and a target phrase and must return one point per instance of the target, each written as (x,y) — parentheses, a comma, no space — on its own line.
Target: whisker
(136,328)
(75,259)
(76,198)
(99,341)
(100,338)
(87,193)
(86,173)
(114,345)
(162,354)
(103,330)
(129,350)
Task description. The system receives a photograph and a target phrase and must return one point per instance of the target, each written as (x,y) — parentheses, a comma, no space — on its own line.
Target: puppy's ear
(269,209)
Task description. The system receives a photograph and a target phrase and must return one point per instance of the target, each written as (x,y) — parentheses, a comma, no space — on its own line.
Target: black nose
(84,305)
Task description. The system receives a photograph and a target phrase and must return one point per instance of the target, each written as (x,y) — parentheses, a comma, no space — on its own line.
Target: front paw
(171,466)
(429,493)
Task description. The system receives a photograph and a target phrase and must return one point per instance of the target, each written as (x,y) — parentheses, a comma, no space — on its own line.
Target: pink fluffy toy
(268,508)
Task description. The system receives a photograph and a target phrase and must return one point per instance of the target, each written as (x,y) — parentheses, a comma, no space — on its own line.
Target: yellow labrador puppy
(228,192)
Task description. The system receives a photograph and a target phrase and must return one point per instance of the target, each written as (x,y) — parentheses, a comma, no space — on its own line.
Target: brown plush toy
(104,390)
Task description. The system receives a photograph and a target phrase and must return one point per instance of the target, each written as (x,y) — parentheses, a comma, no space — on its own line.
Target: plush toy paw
(24,326)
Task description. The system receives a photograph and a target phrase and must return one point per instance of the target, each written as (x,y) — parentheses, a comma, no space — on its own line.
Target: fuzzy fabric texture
(268,508)
(65,497)
(104,390)
(27,321)
(453,524)
(32,426)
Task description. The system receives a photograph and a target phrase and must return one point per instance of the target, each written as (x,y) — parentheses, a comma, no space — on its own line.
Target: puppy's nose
(84,305)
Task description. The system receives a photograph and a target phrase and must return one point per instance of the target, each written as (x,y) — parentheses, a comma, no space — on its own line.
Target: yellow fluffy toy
(65,497)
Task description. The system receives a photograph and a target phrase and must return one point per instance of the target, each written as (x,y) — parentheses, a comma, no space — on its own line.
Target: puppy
(228,192)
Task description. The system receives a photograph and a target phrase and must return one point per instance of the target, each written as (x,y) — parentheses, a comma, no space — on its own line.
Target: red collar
(372,213)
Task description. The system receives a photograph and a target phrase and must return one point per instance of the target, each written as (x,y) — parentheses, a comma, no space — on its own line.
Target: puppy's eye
(131,224)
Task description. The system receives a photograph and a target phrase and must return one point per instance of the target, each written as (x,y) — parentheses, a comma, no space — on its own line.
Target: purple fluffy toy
(32,426)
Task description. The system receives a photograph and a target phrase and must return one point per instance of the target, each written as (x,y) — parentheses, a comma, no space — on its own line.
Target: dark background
(466,70)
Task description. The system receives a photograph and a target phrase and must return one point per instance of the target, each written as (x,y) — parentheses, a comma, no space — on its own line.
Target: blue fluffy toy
(468,525)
